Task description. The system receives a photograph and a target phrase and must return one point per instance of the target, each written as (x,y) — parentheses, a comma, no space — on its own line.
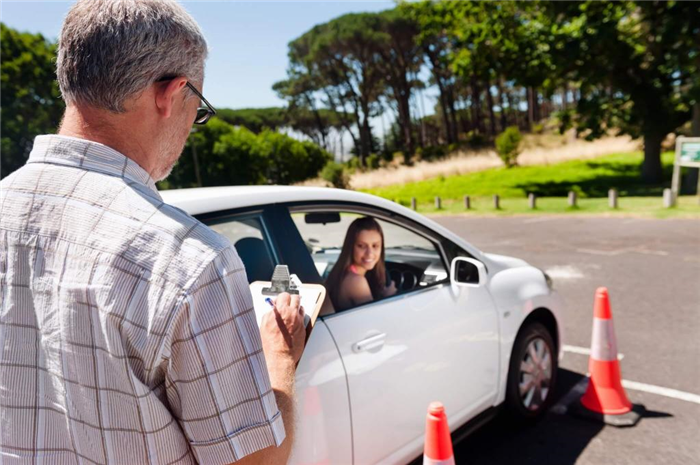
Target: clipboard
(312,297)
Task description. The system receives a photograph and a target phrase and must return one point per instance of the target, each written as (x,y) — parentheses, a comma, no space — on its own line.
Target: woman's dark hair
(376,277)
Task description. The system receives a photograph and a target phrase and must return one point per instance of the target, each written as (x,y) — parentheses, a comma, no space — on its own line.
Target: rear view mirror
(322,218)
(467,272)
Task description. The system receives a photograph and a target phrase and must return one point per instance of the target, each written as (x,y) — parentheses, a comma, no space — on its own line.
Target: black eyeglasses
(203,113)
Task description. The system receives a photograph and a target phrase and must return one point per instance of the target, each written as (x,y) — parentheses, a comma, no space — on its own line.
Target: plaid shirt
(127,331)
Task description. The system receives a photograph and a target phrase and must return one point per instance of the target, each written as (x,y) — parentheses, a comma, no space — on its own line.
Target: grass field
(591,179)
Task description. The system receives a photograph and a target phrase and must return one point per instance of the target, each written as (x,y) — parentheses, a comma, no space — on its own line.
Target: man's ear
(166,93)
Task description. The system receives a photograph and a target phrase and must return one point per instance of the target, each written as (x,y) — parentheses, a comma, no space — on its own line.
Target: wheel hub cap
(535,374)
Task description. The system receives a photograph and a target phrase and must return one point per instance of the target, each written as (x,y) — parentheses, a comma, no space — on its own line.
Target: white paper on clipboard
(312,297)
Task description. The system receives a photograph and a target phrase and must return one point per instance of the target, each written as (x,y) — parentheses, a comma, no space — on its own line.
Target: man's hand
(282,330)
(283,335)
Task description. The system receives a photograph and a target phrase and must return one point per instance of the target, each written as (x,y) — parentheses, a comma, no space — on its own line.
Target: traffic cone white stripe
(604,344)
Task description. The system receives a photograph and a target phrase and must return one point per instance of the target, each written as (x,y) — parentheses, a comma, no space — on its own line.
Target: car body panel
(443,342)
(421,333)
(323,432)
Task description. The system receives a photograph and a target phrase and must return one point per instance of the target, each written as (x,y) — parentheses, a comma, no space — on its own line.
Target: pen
(269,301)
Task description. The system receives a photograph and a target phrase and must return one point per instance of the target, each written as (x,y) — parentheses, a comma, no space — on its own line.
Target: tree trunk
(530,108)
(651,166)
(501,102)
(366,138)
(476,106)
(492,114)
(343,120)
(452,112)
(405,118)
(445,111)
(322,129)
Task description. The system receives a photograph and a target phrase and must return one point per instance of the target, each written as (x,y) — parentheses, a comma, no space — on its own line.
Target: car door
(264,238)
(432,341)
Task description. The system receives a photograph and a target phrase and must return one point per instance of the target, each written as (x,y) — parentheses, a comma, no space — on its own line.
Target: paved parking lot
(652,270)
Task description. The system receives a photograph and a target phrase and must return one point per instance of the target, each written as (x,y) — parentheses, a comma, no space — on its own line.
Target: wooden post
(612,198)
(572,199)
(532,201)
(438,203)
(413,203)
(467,202)
(669,198)
(496,202)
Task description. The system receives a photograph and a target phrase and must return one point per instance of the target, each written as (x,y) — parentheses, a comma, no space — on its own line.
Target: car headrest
(256,258)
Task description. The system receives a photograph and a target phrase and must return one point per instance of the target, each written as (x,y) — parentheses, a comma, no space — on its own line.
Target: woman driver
(359,275)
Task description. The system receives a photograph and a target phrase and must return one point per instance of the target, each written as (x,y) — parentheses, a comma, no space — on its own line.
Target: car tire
(532,373)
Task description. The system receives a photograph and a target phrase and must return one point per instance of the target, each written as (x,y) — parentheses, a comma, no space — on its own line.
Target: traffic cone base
(625,420)
(606,395)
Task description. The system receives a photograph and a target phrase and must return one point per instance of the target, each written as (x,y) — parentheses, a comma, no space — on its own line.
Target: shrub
(235,155)
(373,161)
(508,145)
(290,160)
(538,128)
(335,174)
(431,152)
(353,164)
(475,139)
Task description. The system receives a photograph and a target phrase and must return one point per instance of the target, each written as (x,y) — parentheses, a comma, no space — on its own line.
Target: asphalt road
(652,271)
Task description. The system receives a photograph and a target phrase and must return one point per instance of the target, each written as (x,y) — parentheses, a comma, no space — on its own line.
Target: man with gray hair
(126,326)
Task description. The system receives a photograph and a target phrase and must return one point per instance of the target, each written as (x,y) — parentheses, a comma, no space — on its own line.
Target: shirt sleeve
(217,382)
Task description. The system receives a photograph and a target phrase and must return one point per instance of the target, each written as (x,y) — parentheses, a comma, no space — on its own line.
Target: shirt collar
(91,156)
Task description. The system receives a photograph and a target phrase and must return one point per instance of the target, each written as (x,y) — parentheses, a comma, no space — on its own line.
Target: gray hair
(111,50)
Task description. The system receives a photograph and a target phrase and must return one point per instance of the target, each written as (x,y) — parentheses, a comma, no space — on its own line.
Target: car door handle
(372,342)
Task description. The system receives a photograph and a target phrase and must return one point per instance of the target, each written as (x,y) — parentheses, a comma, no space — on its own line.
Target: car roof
(199,200)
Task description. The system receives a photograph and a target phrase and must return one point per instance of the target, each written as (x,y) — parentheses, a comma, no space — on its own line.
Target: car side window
(248,235)
(412,261)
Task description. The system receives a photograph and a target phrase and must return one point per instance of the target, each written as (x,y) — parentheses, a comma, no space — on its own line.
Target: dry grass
(535,153)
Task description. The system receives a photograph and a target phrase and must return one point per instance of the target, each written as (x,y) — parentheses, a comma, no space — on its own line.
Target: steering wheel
(405,276)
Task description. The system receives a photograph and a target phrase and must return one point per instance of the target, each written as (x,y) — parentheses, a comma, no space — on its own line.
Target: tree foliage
(229,155)
(255,119)
(30,102)
(630,67)
(638,64)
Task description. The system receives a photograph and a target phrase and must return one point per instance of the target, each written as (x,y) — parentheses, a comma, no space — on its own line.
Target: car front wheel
(532,373)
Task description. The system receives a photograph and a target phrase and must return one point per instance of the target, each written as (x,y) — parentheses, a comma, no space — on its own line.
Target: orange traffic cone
(605,399)
(438,443)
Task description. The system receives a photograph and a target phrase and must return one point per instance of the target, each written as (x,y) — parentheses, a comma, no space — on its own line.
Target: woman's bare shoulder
(357,288)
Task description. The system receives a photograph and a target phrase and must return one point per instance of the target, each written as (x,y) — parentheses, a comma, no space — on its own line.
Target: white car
(473,330)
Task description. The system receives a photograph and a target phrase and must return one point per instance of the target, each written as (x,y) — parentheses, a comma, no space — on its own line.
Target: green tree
(341,61)
(30,102)
(638,64)
(289,160)
(434,20)
(254,119)
(401,57)
(231,155)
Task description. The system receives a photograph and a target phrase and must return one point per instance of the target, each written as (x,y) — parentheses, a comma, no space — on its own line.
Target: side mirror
(467,272)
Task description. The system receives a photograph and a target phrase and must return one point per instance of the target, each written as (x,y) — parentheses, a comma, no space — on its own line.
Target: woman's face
(367,250)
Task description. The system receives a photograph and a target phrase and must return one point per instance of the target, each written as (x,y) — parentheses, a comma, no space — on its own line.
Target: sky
(247,40)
